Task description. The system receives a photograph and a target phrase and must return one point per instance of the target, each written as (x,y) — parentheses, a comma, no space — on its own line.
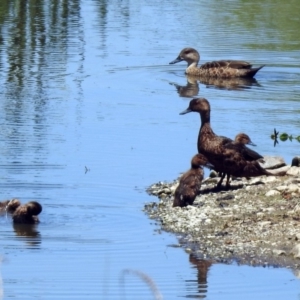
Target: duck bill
(178,59)
(209,166)
(252,144)
(188,110)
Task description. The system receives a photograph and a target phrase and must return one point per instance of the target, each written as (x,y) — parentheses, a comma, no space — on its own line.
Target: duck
(27,213)
(9,205)
(225,155)
(249,154)
(190,182)
(220,68)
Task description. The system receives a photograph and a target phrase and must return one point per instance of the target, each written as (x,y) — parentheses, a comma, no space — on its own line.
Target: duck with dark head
(27,213)
(227,156)
(190,182)
(220,68)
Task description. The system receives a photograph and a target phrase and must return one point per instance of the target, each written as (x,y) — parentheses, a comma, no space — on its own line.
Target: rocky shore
(255,222)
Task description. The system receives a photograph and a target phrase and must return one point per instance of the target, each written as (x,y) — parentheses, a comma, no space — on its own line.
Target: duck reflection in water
(28,231)
(191,89)
(203,267)
(231,84)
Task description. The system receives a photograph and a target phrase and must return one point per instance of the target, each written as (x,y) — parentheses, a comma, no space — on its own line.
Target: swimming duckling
(220,68)
(9,205)
(27,213)
(227,156)
(190,182)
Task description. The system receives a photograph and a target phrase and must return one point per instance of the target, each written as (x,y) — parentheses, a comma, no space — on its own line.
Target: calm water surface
(89,118)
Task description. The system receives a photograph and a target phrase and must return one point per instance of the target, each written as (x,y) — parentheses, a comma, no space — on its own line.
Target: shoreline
(255,222)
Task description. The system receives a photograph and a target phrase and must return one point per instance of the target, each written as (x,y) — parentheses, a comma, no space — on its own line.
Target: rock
(293,188)
(214,180)
(279,252)
(296,251)
(273,162)
(280,171)
(272,193)
(270,179)
(256,181)
(213,174)
(293,171)
(225,197)
(281,188)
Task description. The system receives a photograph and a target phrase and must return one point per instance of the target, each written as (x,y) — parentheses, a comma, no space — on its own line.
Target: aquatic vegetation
(283,137)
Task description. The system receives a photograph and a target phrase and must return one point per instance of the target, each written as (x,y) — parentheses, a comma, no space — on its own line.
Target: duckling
(9,205)
(220,68)
(243,138)
(227,156)
(27,213)
(190,182)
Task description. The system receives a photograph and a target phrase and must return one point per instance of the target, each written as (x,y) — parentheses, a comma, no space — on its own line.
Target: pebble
(293,171)
(272,193)
(296,251)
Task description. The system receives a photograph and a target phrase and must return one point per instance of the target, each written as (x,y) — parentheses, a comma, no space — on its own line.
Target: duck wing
(244,152)
(233,64)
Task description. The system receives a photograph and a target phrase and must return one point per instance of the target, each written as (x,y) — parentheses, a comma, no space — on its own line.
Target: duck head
(34,208)
(243,138)
(190,55)
(200,160)
(197,105)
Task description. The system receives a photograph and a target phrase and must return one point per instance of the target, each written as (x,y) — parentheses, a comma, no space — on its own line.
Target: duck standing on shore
(190,182)
(225,155)
(243,138)
(220,68)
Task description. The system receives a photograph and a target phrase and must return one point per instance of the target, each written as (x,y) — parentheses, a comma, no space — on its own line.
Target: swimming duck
(27,213)
(190,182)
(220,68)
(226,156)
(9,205)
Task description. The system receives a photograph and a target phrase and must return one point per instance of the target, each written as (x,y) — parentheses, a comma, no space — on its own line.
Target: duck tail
(253,71)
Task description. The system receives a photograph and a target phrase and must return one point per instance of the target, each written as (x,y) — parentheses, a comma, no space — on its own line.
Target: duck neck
(195,166)
(192,64)
(205,119)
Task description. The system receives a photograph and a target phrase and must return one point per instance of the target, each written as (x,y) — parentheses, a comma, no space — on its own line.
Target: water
(90,117)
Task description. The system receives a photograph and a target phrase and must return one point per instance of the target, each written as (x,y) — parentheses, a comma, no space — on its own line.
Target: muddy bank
(255,222)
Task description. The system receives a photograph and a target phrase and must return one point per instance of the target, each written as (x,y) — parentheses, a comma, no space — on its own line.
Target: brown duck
(9,205)
(227,156)
(243,138)
(220,68)
(27,213)
(190,182)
